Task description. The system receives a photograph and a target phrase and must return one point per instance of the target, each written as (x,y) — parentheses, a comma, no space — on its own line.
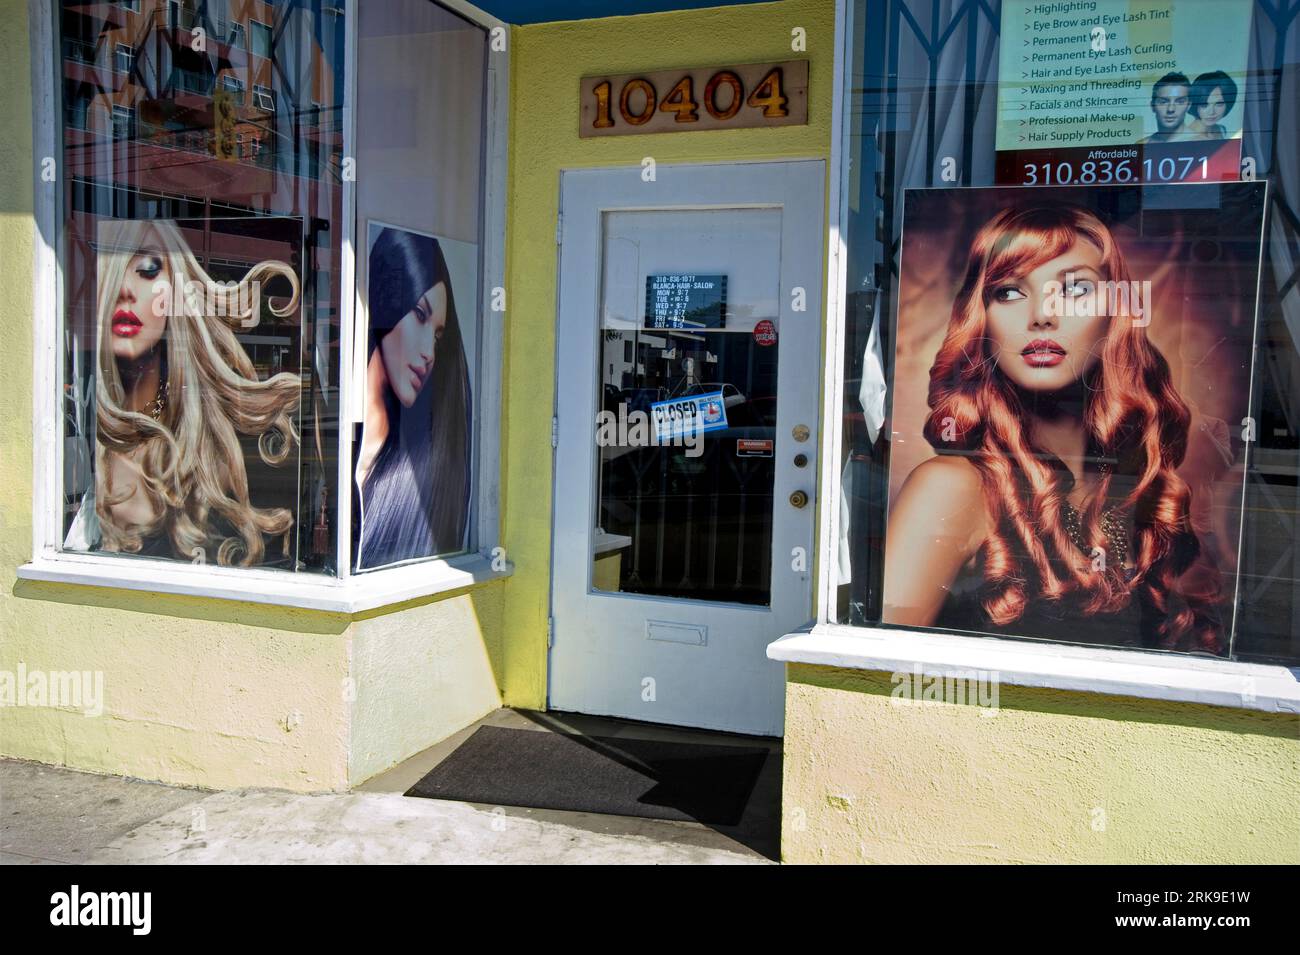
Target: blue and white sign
(689,414)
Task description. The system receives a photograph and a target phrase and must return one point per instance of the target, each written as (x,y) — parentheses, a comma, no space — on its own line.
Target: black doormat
(656,779)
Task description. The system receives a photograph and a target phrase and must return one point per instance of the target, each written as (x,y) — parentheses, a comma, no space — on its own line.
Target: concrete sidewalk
(54,815)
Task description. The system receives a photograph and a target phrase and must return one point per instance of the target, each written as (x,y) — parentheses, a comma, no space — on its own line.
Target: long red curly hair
(1133,417)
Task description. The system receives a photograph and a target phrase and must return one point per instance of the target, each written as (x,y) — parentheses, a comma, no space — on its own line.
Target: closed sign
(696,414)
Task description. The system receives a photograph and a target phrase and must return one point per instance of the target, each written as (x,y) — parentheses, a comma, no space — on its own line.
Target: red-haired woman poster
(1071,412)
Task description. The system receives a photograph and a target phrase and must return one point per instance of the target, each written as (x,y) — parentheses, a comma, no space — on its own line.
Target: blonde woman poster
(1071,412)
(179,405)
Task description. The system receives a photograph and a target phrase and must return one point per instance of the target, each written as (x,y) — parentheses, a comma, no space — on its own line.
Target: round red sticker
(765,332)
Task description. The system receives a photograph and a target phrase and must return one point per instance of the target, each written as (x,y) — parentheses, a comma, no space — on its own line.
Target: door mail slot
(696,634)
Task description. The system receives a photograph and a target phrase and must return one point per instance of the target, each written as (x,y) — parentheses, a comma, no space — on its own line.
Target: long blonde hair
(192,463)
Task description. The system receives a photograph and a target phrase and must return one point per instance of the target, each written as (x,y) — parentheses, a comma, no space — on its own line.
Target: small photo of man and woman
(1202,109)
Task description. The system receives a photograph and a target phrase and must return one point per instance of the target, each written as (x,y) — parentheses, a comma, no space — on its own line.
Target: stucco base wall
(226,695)
(420,675)
(1051,777)
(203,693)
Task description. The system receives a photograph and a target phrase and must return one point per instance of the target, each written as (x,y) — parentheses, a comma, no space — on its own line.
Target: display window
(1069,411)
(274,347)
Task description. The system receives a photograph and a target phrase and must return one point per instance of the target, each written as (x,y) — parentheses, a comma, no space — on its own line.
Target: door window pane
(685,436)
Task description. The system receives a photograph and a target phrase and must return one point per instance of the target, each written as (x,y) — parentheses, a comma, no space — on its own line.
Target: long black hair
(416,495)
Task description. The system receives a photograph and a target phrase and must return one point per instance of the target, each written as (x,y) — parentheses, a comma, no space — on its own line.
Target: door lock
(799,498)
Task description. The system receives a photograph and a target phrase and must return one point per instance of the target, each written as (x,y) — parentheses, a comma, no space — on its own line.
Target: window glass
(261,42)
(200,264)
(419,239)
(1069,399)
(688,384)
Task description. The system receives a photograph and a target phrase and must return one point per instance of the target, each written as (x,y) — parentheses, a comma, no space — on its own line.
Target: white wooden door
(686,396)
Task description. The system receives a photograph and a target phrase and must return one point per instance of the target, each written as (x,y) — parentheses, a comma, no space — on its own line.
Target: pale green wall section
(204,692)
(869,780)
(196,692)
(547,63)
(421,675)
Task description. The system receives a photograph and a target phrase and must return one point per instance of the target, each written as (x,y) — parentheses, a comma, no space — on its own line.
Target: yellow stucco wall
(1052,777)
(204,692)
(221,693)
(547,62)
(420,675)
(218,693)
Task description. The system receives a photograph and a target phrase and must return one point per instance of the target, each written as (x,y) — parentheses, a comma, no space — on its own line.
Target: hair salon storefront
(914,379)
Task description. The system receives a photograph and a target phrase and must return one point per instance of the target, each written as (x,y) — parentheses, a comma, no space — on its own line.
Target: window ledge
(1143,674)
(356,594)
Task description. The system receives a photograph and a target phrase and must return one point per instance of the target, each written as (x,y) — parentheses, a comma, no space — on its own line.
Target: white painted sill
(1143,674)
(355,594)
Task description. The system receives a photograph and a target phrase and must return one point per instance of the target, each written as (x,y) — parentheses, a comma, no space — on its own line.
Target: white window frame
(117,112)
(234,85)
(825,642)
(236,30)
(118,51)
(261,92)
(270,37)
(346,593)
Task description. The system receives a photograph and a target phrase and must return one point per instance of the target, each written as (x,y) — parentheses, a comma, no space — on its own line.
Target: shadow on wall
(486,602)
(1099,706)
(153,605)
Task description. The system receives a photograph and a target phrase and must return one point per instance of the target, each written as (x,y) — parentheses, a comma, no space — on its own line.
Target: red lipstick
(126,324)
(1043,353)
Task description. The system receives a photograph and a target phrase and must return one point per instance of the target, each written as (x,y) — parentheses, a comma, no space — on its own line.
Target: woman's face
(408,349)
(1214,108)
(1047,326)
(143,303)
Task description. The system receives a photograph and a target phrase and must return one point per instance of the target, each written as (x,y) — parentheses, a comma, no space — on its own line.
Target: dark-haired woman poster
(1053,507)
(413,462)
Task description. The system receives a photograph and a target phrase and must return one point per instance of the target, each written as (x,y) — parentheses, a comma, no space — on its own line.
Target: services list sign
(1102,91)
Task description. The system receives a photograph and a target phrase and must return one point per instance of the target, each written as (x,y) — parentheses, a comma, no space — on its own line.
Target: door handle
(799,499)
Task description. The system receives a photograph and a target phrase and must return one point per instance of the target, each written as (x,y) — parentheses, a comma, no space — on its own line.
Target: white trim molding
(350,595)
(833,338)
(1150,675)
